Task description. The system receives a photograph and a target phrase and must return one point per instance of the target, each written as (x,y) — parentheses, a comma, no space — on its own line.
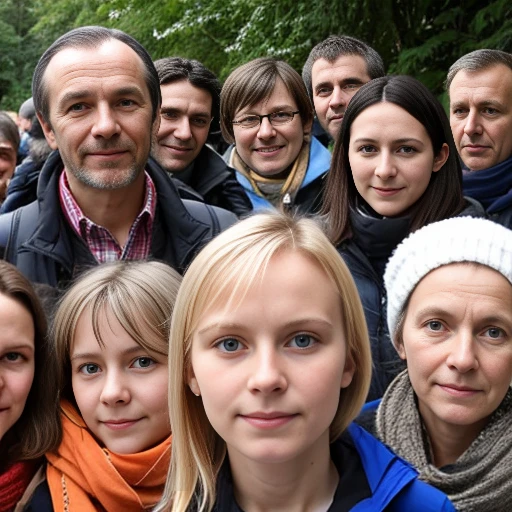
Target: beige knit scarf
(481,479)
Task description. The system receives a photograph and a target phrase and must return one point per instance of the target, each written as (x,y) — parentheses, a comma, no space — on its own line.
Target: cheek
(21,385)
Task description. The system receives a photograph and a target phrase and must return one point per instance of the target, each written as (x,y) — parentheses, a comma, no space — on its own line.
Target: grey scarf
(481,479)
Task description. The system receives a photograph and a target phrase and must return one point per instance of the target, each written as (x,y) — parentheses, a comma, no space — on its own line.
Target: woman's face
(270,369)
(267,149)
(457,341)
(391,158)
(17,360)
(120,388)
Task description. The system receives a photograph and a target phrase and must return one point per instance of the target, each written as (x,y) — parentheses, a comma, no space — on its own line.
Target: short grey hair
(335,46)
(477,60)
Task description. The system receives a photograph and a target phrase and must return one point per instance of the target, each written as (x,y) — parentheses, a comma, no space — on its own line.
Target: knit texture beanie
(452,240)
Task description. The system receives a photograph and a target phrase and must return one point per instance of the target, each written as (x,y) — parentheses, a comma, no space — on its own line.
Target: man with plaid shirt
(97,96)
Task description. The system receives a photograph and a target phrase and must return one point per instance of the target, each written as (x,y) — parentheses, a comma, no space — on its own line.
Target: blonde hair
(140,295)
(230,264)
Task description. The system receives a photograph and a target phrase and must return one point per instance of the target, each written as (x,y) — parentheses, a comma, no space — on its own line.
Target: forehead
(279,97)
(399,124)
(345,66)
(182,92)
(494,83)
(112,64)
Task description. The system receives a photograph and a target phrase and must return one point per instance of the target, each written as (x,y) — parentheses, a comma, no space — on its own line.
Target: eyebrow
(277,108)
(170,110)
(436,312)
(348,80)
(71,96)
(221,326)
(397,141)
(484,103)
(21,346)
(91,355)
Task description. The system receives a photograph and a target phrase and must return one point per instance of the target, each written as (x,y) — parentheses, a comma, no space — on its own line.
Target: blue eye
(143,362)
(89,369)
(435,325)
(303,341)
(495,333)
(229,345)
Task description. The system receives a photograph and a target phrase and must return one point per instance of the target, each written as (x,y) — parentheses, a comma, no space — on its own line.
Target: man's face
(24,124)
(481,116)
(334,84)
(184,125)
(100,115)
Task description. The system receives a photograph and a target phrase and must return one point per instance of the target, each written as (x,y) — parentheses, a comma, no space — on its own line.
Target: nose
(105,124)
(338,98)
(266,130)
(182,130)
(267,375)
(385,166)
(462,356)
(115,390)
(472,125)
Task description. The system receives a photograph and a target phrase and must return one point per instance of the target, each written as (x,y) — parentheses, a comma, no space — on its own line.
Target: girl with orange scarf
(111,341)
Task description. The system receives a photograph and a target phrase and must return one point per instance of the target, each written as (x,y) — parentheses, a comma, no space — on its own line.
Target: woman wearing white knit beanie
(449,288)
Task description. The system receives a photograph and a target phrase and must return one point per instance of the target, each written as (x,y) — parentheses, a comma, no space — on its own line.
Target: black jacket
(54,254)
(215,183)
(370,285)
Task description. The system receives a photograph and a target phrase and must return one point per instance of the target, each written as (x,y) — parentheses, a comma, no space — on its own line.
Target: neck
(305,483)
(115,210)
(448,441)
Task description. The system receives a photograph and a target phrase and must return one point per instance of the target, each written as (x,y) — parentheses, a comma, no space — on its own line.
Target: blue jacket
(393,481)
(309,197)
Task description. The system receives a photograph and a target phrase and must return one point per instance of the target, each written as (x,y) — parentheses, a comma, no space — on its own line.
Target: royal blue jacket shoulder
(393,481)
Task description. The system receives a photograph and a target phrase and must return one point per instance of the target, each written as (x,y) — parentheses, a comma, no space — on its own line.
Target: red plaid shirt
(100,241)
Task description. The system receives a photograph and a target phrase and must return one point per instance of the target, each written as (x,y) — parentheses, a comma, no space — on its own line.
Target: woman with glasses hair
(267,114)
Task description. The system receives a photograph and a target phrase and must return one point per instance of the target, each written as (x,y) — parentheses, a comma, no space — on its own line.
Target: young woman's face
(457,340)
(391,158)
(267,149)
(120,388)
(269,370)
(17,358)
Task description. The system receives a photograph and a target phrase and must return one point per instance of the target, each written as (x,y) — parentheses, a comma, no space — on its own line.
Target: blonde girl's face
(120,388)
(269,369)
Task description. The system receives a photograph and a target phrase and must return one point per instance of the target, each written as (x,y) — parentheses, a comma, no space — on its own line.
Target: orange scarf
(84,477)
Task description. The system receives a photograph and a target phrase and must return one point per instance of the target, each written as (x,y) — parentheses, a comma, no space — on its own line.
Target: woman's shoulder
(393,481)
(37,496)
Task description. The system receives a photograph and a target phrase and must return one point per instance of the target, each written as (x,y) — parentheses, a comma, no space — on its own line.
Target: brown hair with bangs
(254,82)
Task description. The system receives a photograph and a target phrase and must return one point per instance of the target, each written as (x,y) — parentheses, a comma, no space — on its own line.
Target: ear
(401,350)
(307,127)
(441,157)
(48,132)
(156,125)
(348,372)
(192,382)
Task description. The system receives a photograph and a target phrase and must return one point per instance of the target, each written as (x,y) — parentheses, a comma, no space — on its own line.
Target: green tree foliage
(417,37)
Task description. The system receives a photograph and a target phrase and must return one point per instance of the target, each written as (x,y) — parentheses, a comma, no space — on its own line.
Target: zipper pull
(287,199)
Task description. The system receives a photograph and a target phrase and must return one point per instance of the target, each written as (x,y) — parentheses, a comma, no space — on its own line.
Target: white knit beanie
(449,241)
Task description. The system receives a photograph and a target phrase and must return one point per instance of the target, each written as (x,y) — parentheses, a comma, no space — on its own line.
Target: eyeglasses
(275,119)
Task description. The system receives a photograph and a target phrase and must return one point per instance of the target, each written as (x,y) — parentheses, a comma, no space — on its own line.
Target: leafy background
(417,37)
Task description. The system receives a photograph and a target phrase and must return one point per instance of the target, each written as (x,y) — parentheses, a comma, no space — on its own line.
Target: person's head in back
(479,85)
(334,71)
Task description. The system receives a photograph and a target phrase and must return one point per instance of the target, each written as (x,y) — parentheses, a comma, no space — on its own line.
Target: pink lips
(459,391)
(270,420)
(120,424)
(475,148)
(386,192)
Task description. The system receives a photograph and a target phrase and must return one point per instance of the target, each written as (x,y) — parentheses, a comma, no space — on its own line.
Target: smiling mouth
(270,149)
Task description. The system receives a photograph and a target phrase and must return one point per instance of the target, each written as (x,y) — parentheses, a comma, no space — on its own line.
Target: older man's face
(100,114)
(481,116)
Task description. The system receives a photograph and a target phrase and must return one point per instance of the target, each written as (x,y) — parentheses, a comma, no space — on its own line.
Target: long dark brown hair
(443,197)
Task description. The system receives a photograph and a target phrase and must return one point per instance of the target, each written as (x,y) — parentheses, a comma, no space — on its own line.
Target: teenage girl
(111,342)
